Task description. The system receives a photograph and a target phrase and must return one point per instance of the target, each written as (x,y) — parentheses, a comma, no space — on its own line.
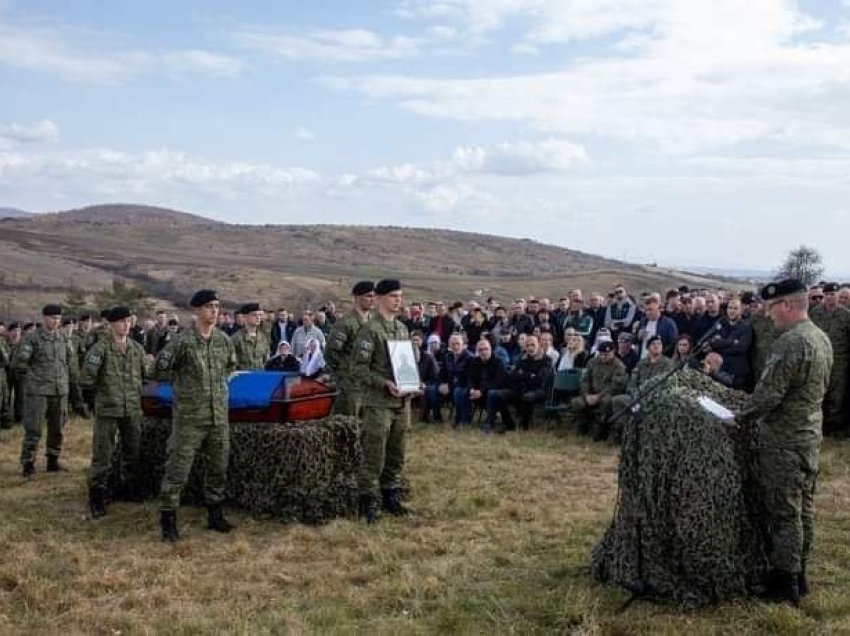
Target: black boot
(96,503)
(392,503)
(168,523)
(216,520)
(28,470)
(369,509)
(53,465)
(802,581)
(782,587)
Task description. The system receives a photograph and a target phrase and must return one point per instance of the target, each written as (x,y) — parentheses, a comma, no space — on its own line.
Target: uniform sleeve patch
(93,359)
(366,345)
(164,360)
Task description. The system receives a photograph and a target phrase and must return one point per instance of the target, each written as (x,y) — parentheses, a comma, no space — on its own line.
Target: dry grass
(500,544)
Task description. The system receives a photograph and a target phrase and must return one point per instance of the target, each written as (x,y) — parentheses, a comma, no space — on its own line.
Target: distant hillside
(11,213)
(172,253)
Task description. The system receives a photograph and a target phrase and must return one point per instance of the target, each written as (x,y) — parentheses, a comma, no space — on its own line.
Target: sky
(655,131)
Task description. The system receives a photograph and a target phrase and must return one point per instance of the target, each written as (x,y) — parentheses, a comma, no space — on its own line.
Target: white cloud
(44,131)
(89,56)
(346,45)
(304,134)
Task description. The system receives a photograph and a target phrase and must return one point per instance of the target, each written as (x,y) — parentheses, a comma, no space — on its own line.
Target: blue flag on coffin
(248,389)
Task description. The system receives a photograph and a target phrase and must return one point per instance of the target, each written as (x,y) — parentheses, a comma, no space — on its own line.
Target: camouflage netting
(690,493)
(299,472)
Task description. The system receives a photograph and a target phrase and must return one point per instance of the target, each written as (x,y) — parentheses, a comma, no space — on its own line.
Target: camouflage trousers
(104,432)
(787,478)
(38,408)
(384,434)
(348,402)
(590,416)
(185,441)
(833,401)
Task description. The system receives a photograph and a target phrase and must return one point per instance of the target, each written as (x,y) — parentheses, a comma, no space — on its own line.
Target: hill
(9,213)
(172,253)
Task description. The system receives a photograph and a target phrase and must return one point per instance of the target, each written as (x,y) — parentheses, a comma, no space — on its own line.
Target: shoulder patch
(93,359)
(164,359)
(366,345)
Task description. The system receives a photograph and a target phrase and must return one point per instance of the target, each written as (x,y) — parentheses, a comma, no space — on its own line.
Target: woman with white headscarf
(313,361)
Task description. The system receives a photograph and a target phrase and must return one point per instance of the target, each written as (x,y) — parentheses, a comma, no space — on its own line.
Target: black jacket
(484,376)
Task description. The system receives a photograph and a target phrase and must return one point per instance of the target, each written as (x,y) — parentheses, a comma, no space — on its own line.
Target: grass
(500,544)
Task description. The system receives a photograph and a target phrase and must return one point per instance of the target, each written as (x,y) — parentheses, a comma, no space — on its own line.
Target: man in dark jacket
(486,373)
(526,387)
(454,380)
(655,323)
(733,341)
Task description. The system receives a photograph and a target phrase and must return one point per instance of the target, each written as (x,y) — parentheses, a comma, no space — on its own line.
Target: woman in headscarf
(313,361)
(283,360)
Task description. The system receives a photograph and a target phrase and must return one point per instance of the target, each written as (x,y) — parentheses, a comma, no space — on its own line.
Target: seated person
(684,348)
(712,367)
(454,381)
(525,386)
(429,375)
(313,361)
(626,351)
(573,355)
(604,377)
(283,360)
(486,372)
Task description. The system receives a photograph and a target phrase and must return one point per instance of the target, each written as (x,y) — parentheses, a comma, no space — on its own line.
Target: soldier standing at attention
(787,405)
(339,357)
(114,369)
(198,362)
(5,363)
(834,320)
(250,342)
(44,359)
(386,410)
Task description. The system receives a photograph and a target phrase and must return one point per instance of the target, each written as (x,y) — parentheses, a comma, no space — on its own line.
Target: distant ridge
(13,213)
(125,214)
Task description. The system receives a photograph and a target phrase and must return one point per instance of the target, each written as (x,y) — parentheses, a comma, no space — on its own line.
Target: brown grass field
(500,544)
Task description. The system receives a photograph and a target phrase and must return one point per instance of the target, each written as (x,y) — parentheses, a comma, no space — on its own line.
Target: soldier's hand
(393,389)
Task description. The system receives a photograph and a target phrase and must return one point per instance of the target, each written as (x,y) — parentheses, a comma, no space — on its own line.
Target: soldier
(251,343)
(14,407)
(834,320)
(341,353)
(604,377)
(653,366)
(114,369)
(155,338)
(764,335)
(786,406)
(45,360)
(198,362)
(386,410)
(5,363)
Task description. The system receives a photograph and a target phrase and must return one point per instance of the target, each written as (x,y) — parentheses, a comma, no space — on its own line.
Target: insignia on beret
(782,288)
(831,287)
(771,290)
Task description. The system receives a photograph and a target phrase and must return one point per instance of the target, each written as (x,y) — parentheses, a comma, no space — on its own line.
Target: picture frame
(403,361)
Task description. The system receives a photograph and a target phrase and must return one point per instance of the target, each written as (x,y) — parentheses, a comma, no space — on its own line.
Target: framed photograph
(405,373)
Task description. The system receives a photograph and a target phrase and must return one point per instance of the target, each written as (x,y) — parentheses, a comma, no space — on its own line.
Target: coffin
(256,396)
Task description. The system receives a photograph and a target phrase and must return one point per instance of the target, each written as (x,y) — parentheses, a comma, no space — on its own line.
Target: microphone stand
(641,588)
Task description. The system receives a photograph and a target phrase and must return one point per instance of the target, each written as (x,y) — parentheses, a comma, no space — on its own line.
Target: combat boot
(28,470)
(392,503)
(53,465)
(369,509)
(96,503)
(216,520)
(168,523)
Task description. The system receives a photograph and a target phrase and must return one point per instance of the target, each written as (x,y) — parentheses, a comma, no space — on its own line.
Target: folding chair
(566,381)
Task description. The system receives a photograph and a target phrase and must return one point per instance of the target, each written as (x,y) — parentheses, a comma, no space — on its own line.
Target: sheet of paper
(716,409)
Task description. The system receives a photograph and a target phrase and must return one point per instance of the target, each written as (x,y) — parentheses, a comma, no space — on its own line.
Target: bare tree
(804,263)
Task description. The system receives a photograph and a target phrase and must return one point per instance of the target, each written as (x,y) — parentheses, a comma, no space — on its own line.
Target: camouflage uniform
(5,362)
(198,370)
(787,402)
(252,352)
(386,418)
(644,371)
(606,380)
(836,325)
(116,378)
(340,360)
(764,335)
(45,360)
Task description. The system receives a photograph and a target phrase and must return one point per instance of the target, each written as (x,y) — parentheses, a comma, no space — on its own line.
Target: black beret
(831,287)
(683,289)
(118,313)
(362,288)
(247,308)
(605,346)
(458,305)
(652,339)
(51,310)
(748,297)
(387,286)
(782,288)
(67,321)
(202,297)
(104,313)
(14,325)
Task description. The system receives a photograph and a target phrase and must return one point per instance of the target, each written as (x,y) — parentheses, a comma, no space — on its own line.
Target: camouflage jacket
(116,377)
(251,353)
(47,361)
(5,362)
(788,397)
(764,335)
(645,371)
(198,370)
(371,365)
(604,379)
(836,325)
(339,354)
(80,343)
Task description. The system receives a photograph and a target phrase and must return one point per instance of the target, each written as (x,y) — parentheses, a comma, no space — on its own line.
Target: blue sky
(664,131)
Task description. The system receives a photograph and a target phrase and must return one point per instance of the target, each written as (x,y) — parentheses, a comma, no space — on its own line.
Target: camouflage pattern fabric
(836,325)
(339,358)
(251,352)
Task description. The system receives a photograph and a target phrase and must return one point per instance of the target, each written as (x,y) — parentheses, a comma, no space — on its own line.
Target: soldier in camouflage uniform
(604,378)
(764,335)
(339,356)
(114,369)
(651,367)
(5,363)
(45,360)
(834,320)
(250,342)
(386,410)
(14,406)
(198,362)
(787,408)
